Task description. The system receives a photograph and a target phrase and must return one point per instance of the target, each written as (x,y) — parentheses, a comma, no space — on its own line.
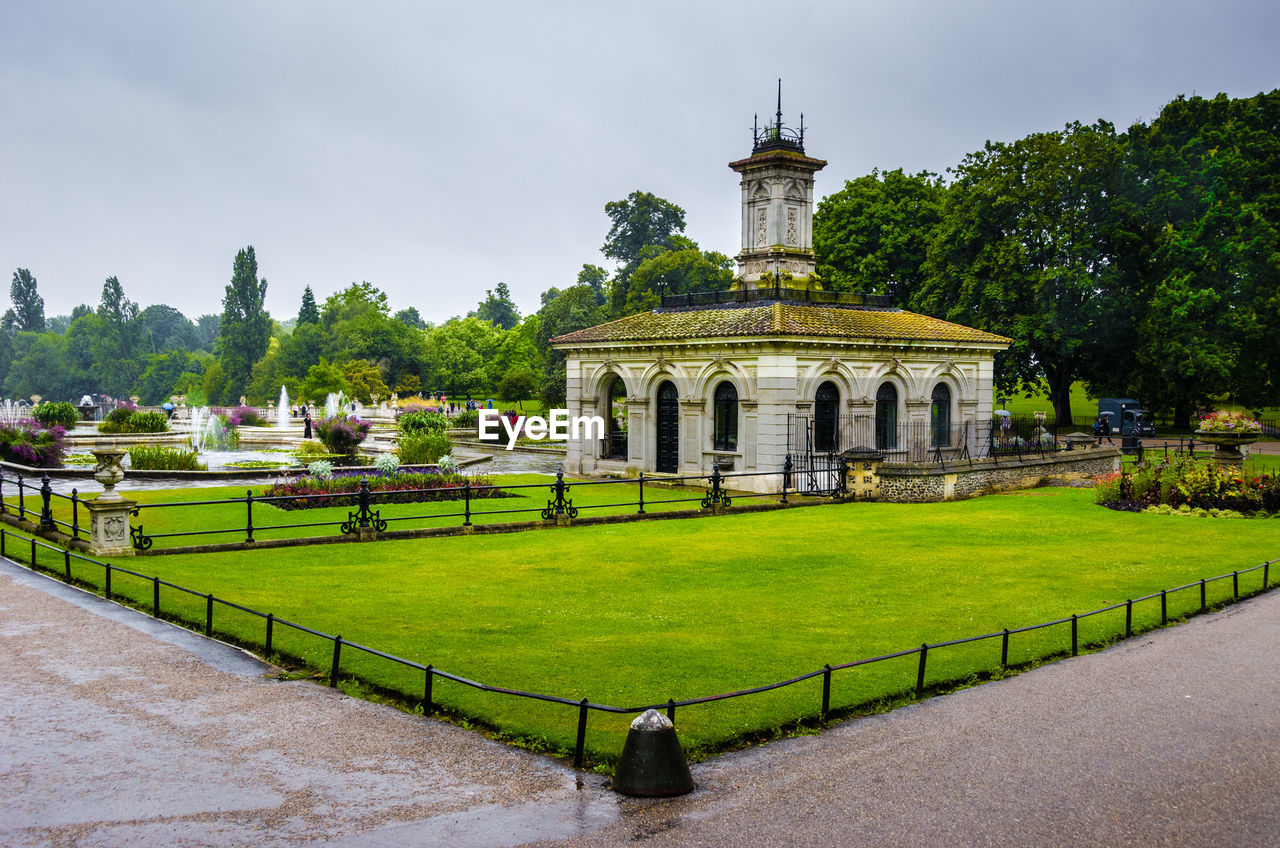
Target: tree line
(1142,263)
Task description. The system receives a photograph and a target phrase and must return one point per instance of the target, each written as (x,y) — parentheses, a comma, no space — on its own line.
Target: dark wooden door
(668,429)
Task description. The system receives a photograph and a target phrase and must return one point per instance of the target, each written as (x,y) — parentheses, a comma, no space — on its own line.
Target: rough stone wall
(916,483)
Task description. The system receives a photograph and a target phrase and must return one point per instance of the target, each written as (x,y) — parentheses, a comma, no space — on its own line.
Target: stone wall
(919,483)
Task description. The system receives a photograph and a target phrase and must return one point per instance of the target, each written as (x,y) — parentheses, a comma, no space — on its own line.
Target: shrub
(342,434)
(127,419)
(468,418)
(403,488)
(26,443)
(246,416)
(160,458)
(387,464)
(417,404)
(57,414)
(421,421)
(447,464)
(424,448)
(321,469)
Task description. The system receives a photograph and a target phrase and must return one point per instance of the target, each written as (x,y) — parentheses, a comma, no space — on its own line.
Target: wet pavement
(116,733)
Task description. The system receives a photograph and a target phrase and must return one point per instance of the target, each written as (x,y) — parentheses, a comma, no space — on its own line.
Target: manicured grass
(633,614)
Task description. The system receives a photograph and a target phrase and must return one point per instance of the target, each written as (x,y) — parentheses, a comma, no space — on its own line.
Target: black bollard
(652,764)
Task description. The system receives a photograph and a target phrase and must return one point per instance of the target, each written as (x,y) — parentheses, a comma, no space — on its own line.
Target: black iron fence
(899,441)
(41,510)
(59,562)
(643,493)
(1271,428)
(614,445)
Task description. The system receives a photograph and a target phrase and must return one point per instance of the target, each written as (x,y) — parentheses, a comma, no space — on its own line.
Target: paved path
(111,737)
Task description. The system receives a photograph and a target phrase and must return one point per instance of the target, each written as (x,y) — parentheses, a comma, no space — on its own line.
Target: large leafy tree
(169,329)
(1208,188)
(678,269)
(640,221)
(575,308)
(28,305)
(117,343)
(497,308)
(873,235)
(245,328)
(1027,248)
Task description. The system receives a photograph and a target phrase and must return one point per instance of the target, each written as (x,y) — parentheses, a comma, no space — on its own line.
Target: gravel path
(114,737)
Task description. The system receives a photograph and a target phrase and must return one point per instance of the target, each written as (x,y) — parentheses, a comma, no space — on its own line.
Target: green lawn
(637,613)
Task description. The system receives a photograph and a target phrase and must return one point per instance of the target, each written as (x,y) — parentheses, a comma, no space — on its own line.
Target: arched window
(613,410)
(886,417)
(826,410)
(940,416)
(725,418)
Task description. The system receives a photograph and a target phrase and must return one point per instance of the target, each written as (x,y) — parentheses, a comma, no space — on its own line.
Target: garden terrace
(614,615)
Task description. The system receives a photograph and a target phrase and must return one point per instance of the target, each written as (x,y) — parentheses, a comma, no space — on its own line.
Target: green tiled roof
(778,319)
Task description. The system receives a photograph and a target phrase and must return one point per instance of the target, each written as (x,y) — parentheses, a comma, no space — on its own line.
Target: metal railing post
(641,511)
(248,503)
(337,657)
(1004,649)
(466,502)
(426,690)
(46,507)
(271,622)
(582,735)
(826,690)
(75,513)
(924,654)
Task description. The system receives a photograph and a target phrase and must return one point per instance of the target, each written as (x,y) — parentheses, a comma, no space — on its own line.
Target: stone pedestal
(1226,446)
(862,479)
(109,526)
(109,512)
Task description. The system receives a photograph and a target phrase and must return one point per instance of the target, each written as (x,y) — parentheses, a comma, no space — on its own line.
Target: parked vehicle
(1128,418)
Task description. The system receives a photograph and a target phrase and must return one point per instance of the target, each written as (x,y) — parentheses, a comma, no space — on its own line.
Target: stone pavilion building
(776,366)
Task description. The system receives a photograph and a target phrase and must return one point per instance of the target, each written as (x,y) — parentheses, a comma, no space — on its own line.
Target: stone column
(109,512)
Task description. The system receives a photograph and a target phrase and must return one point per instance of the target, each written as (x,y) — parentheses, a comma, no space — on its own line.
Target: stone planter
(109,511)
(1227,446)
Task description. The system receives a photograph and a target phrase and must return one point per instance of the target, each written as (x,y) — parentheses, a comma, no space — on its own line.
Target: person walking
(306,423)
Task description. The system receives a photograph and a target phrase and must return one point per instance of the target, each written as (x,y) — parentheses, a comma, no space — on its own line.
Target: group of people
(1102,429)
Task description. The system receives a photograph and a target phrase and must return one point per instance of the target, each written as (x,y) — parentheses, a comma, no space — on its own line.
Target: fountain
(333,402)
(13,411)
(283,419)
(210,432)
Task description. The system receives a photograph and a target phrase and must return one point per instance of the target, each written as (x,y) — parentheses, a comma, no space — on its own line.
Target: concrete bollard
(652,763)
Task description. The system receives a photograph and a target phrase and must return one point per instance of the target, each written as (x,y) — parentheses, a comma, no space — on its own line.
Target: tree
(642,220)
(28,306)
(497,308)
(356,299)
(410,318)
(322,379)
(163,375)
(518,384)
(245,328)
(363,381)
(207,325)
(308,313)
(1027,249)
(680,269)
(1209,200)
(169,329)
(117,345)
(574,309)
(873,235)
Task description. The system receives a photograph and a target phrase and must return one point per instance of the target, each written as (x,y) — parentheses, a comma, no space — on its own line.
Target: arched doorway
(826,410)
(668,453)
(940,416)
(615,420)
(886,417)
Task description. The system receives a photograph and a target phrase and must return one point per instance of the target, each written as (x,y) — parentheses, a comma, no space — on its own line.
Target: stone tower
(777,203)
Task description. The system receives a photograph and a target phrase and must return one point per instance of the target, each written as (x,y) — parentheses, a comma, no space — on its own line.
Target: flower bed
(1184,485)
(1229,422)
(27,443)
(344,486)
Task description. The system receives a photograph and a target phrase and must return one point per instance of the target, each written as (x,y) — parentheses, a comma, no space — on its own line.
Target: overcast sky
(435,149)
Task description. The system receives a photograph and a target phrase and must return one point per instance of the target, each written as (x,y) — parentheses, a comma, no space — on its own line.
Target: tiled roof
(778,319)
